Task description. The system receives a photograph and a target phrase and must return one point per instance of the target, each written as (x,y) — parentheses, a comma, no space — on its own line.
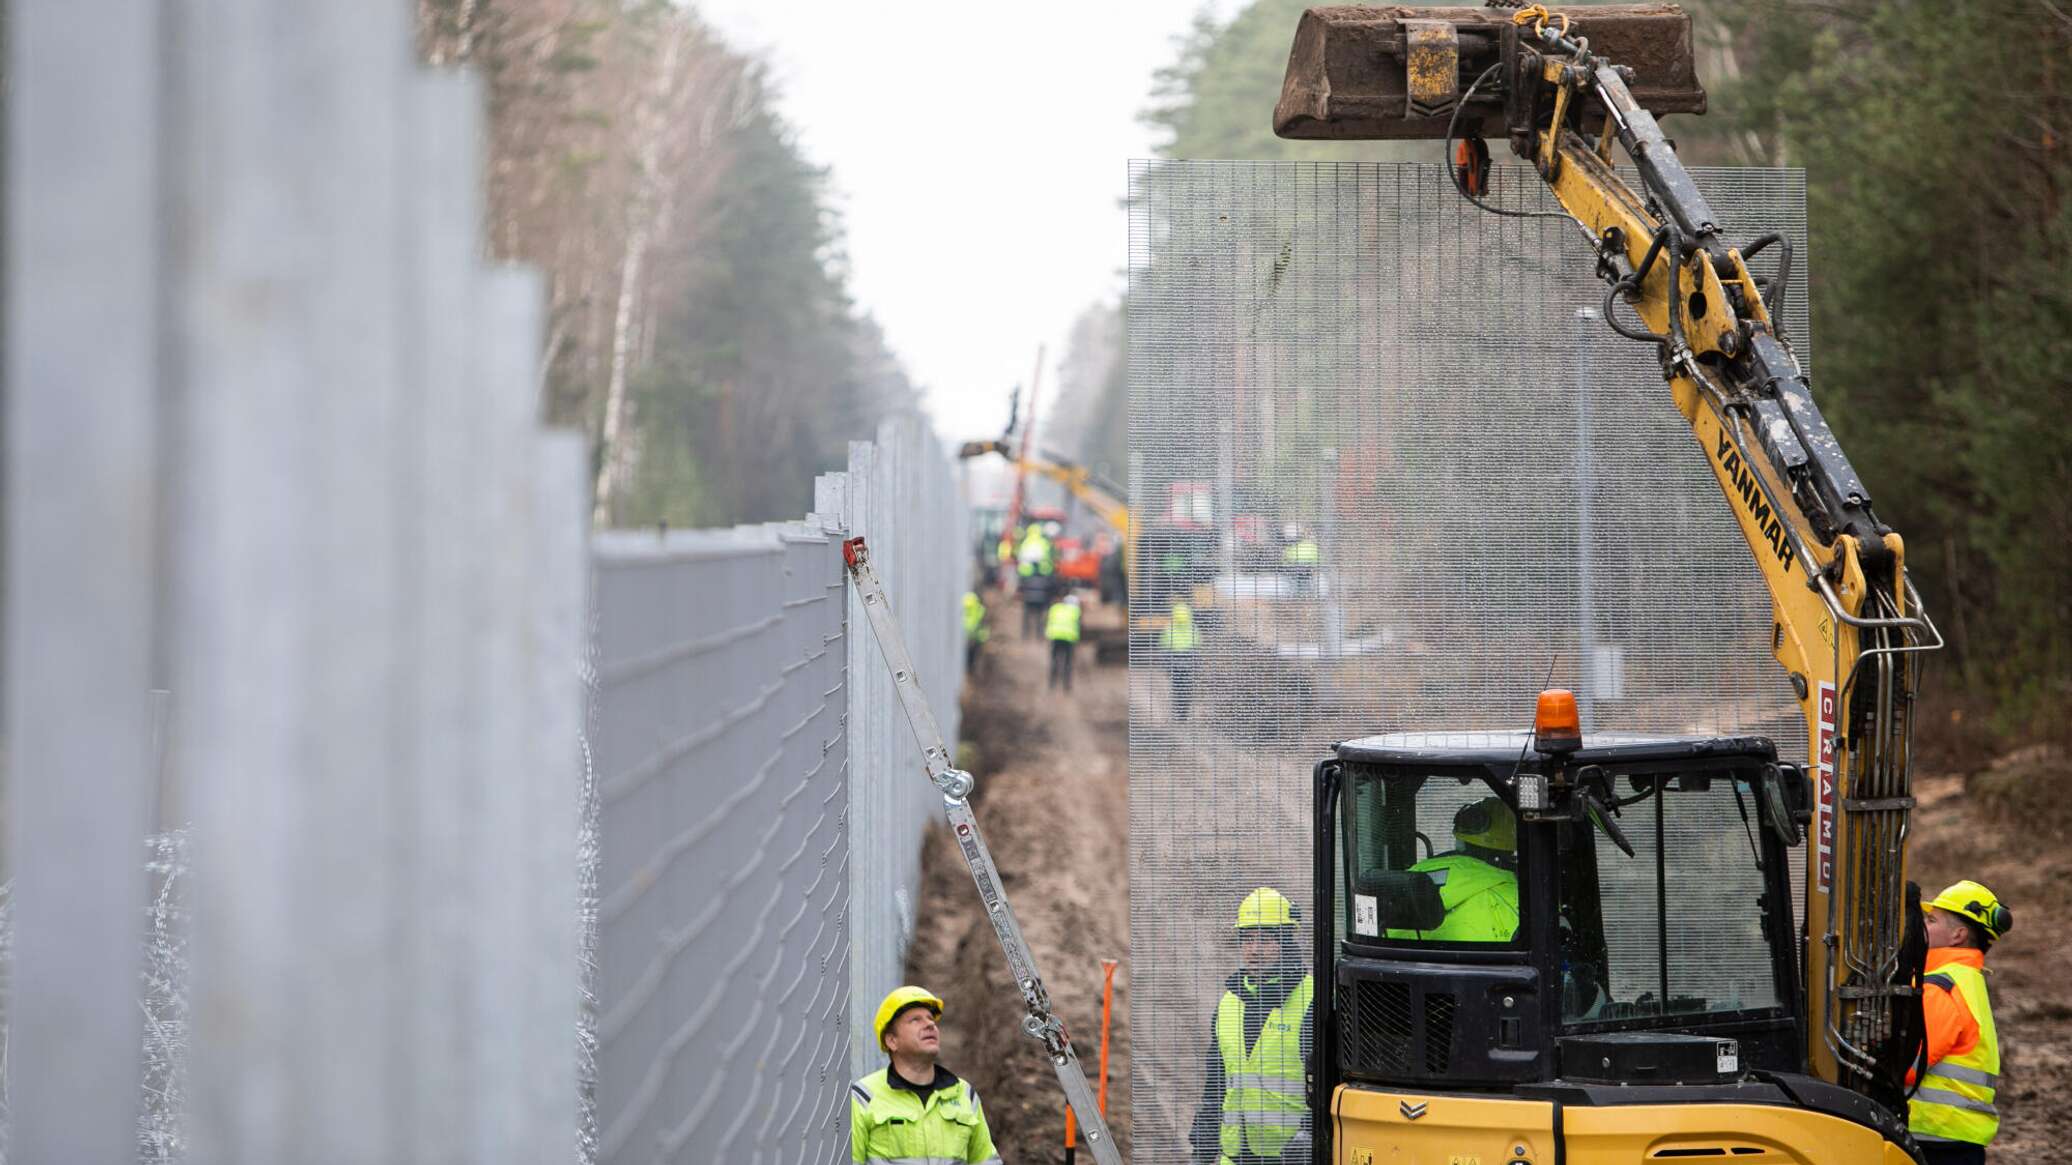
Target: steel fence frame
(760,812)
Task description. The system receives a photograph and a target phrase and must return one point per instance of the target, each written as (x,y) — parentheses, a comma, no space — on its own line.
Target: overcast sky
(979,158)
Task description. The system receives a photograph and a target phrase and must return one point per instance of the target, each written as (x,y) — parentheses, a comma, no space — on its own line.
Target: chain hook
(1538,16)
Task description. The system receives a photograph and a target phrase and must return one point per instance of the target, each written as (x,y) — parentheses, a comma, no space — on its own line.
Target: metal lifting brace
(956,786)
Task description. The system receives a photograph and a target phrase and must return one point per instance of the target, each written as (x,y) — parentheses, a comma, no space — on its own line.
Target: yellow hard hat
(1182,611)
(1488,823)
(1976,903)
(1265,906)
(901,999)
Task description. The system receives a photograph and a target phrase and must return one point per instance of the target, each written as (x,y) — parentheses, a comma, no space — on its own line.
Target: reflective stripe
(861,1095)
(1256,1117)
(920,1161)
(1960,1073)
(1265,1082)
(1955,1100)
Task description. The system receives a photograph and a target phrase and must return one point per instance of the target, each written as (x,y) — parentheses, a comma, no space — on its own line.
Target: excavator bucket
(1403,73)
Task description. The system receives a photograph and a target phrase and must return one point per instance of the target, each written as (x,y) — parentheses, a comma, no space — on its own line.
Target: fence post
(83,246)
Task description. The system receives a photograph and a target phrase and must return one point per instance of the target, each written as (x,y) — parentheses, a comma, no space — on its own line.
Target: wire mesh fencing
(759,810)
(1387,451)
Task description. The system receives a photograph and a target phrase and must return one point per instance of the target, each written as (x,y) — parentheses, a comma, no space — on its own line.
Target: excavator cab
(1528,938)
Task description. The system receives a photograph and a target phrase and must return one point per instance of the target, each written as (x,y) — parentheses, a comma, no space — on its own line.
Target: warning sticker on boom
(1824,801)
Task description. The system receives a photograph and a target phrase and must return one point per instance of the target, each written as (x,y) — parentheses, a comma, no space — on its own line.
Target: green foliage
(763,371)
(1933,138)
(1217,99)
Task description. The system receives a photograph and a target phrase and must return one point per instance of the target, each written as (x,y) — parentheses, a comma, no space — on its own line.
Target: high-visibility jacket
(974,618)
(1035,554)
(1062,623)
(1955,1101)
(894,1126)
(1263,1099)
(1481,901)
(1180,635)
(1303,553)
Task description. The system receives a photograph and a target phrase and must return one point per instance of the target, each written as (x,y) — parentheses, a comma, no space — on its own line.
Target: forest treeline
(1933,140)
(700,327)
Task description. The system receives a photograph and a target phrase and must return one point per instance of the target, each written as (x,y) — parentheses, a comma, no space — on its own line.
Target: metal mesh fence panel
(760,810)
(720,754)
(1500,496)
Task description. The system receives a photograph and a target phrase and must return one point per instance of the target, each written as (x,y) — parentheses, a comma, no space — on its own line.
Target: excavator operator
(1478,883)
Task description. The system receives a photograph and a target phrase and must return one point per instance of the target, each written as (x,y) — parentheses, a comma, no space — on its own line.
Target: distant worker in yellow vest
(1037,581)
(975,631)
(914,1109)
(1179,641)
(1954,1114)
(1061,627)
(1253,1102)
(1300,558)
(1005,557)
(1036,555)
(1478,883)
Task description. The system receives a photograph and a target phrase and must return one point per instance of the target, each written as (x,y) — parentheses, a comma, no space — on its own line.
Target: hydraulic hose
(1774,301)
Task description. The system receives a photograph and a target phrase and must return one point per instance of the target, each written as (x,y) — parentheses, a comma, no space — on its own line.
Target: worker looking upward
(914,1109)
(1061,627)
(1253,1102)
(1478,882)
(1953,1114)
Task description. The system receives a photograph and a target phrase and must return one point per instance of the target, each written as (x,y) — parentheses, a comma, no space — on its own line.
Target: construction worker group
(1254,1108)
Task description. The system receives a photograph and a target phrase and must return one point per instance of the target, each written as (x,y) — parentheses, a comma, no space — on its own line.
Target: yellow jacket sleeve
(981,1151)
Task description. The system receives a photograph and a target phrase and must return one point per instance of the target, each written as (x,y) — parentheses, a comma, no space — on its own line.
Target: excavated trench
(1054,804)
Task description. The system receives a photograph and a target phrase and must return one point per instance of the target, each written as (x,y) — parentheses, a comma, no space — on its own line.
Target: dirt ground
(1053,800)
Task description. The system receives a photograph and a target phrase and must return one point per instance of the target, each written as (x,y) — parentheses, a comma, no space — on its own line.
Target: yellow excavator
(1649,995)
(1079,481)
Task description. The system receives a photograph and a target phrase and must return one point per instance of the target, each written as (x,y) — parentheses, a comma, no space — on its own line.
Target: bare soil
(1053,800)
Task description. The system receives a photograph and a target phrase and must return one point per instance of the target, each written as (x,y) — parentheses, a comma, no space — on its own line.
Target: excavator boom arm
(1848,626)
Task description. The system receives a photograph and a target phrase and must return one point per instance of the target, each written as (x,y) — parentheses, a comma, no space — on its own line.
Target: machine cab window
(1676,928)
(1433,859)
(1495,902)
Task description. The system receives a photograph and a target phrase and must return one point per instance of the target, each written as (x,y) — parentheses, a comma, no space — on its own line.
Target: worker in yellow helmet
(1478,881)
(1253,1107)
(1954,1114)
(914,1109)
